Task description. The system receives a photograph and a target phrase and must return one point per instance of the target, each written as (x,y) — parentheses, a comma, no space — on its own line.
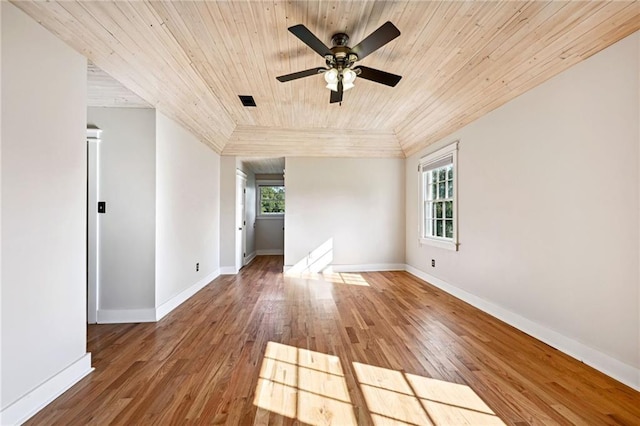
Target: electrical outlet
(197,267)
(433,263)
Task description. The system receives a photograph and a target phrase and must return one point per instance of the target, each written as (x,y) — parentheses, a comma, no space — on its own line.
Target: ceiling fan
(340,72)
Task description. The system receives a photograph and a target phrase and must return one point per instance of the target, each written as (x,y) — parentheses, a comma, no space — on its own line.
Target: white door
(241,225)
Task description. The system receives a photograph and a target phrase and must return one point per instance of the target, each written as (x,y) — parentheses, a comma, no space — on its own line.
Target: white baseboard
(270,252)
(27,406)
(250,258)
(612,367)
(228,270)
(367,267)
(117,316)
(178,299)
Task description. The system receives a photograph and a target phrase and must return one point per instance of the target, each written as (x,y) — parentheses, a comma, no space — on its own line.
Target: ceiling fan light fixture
(331,77)
(348,77)
(333,86)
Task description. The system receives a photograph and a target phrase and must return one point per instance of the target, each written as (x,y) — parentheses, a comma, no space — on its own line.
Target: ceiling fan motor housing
(339,39)
(341,56)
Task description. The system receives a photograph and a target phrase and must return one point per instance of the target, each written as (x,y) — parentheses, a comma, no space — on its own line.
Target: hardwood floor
(370,348)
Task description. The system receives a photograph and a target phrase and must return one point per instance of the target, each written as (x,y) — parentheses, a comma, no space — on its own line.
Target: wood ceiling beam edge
(312,142)
(105,91)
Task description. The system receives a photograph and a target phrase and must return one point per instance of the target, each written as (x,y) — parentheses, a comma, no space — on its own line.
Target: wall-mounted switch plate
(102,206)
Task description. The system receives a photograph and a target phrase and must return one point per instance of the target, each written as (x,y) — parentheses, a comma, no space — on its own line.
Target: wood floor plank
(351,349)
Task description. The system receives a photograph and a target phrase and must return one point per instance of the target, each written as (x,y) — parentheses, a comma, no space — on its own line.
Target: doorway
(93,153)
(241,223)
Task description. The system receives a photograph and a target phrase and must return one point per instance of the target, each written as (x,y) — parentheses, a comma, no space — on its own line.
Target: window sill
(448,245)
(270,217)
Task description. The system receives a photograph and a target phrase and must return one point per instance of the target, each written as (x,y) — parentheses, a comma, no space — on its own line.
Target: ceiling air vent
(247,101)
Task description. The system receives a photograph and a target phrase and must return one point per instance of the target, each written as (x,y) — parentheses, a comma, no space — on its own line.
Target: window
(270,200)
(438,196)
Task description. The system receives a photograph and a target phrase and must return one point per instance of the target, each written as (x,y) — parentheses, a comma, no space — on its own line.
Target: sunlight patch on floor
(349,278)
(317,266)
(410,399)
(316,261)
(304,385)
(311,387)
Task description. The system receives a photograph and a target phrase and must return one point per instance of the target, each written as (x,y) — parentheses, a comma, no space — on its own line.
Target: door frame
(93,195)
(241,220)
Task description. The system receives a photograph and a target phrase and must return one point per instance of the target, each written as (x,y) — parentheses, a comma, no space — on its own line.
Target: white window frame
(260,183)
(426,163)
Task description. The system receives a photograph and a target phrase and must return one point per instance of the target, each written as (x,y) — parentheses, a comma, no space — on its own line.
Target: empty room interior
(320,212)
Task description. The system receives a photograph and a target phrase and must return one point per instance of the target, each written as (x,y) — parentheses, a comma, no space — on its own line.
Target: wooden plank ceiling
(459,60)
(105,91)
(264,165)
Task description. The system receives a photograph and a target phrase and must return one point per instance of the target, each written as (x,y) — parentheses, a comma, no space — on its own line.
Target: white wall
(228,166)
(43,215)
(188,210)
(548,211)
(127,181)
(359,203)
(270,234)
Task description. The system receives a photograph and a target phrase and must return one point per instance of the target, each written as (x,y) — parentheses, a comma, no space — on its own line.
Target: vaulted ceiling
(459,60)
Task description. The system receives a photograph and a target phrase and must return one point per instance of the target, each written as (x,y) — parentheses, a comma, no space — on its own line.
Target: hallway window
(270,200)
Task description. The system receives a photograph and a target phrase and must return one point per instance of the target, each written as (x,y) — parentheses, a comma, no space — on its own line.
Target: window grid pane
(449,228)
(438,193)
(271,199)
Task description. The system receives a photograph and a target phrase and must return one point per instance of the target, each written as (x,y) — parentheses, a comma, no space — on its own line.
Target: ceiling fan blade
(300,74)
(376,40)
(378,76)
(336,96)
(310,39)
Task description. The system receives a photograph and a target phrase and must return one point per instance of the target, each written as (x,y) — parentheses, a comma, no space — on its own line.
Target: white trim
(184,295)
(369,267)
(118,316)
(269,252)
(228,270)
(249,258)
(270,216)
(608,365)
(28,405)
(241,174)
(270,182)
(439,154)
(435,242)
(366,267)
(93,233)
(94,133)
